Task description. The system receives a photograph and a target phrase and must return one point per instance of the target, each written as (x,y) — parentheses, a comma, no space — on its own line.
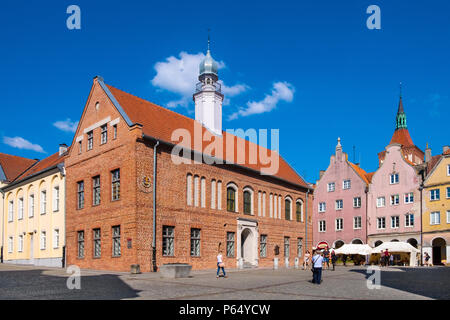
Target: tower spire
(209,38)
(400,119)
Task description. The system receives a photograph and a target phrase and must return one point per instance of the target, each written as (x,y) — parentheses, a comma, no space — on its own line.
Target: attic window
(97,106)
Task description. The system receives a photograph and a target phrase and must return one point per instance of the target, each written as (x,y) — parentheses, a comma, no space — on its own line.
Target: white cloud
(281,91)
(66,125)
(21,143)
(180,75)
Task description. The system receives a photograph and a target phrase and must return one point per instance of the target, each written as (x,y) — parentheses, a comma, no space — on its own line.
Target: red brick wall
(134,211)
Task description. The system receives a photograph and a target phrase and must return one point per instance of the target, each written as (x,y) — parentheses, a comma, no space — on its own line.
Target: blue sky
(343,77)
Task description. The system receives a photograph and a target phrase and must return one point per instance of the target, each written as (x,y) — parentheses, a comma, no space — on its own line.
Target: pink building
(393,204)
(339,211)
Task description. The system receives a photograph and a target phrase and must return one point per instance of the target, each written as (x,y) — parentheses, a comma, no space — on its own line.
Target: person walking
(427,258)
(333,258)
(391,259)
(317,261)
(326,258)
(306,260)
(220,265)
(381,258)
(386,258)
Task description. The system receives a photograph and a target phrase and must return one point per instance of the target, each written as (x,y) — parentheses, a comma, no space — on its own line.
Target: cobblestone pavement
(346,283)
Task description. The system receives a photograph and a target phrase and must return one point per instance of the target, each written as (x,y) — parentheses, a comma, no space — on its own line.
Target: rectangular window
(230,244)
(357,222)
(409,220)
(80,147)
(395,200)
(346,184)
(43,240)
(299,247)
(20,246)
(90,141)
(434,195)
(448,169)
(168,241)
(409,197)
(435,218)
(395,222)
(43,202)
(31,206)
(448,192)
(96,190)
(116,241)
(381,202)
(381,223)
(339,224)
(331,187)
(20,214)
(80,244)
(286,246)
(394,178)
(322,206)
(56,238)
(80,194)
(56,199)
(97,243)
(339,204)
(10,211)
(115,131)
(448,216)
(104,134)
(195,242)
(115,184)
(322,226)
(357,202)
(263,246)
(10,244)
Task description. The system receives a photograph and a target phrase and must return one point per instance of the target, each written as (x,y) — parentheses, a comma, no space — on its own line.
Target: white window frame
(31,206)
(337,207)
(397,220)
(448,216)
(379,204)
(395,199)
(236,195)
(433,216)
(447,192)
(394,178)
(259,203)
(448,170)
(20,243)
(56,198)
(219,195)
(357,223)
(331,186)
(322,226)
(10,210)
(43,201)
(358,202)
(291,201)
(43,240)
(189,189)
(433,194)
(322,206)
(264,204)
(203,192)
(379,219)
(252,202)
(196,191)
(213,194)
(346,184)
(10,244)
(20,209)
(408,220)
(408,197)
(56,238)
(339,224)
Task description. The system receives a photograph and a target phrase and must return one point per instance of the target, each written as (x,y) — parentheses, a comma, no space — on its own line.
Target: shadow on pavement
(34,284)
(429,282)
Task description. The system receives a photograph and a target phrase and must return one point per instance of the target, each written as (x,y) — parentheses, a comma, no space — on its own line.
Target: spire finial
(209,39)
(400,89)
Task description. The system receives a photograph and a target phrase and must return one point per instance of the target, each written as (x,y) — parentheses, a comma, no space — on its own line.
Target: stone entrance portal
(248,242)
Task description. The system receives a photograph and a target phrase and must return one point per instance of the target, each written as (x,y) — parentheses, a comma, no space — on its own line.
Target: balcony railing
(216,86)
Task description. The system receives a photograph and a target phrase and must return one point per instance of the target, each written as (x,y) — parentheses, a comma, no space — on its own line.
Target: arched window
(203,192)
(287,208)
(271,205)
(219,195)
(189,189)
(264,204)
(299,210)
(247,202)
(213,194)
(231,199)
(196,190)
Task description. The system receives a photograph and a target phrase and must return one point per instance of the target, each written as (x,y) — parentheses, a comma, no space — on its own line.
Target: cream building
(34,214)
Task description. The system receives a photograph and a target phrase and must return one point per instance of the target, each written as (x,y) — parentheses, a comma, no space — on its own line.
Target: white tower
(208,97)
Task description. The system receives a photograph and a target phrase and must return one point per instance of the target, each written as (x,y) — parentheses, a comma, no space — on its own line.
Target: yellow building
(10,168)
(436,210)
(33,220)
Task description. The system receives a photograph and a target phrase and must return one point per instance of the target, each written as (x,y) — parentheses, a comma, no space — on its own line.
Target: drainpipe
(421,206)
(3,231)
(154,208)
(367,207)
(306,219)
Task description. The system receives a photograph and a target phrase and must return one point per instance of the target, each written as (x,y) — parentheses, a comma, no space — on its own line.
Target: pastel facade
(339,212)
(34,224)
(394,200)
(436,212)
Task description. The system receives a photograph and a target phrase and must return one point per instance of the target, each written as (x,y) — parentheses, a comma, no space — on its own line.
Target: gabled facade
(339,212)
(436,209)
(34,214)
(130,200)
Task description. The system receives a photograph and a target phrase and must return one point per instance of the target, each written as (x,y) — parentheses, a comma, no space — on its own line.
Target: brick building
(122,172)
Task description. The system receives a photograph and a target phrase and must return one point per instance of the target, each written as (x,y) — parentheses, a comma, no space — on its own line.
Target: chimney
(427,154)
(62,148)
(321,172)
(445,149)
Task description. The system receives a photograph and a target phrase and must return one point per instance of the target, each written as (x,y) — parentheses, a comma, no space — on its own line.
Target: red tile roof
(369,176)
(402,137)
(13,166)
(160,123)
(359,171)
(45,163)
